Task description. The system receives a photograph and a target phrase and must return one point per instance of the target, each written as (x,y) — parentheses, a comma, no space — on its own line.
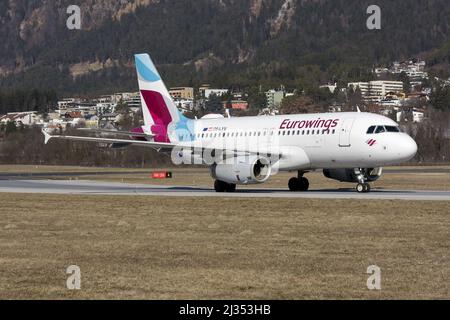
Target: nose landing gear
(363,188)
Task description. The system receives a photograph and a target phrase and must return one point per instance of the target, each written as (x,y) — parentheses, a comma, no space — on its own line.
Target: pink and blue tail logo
(160,114)
(157,103)
(146,68)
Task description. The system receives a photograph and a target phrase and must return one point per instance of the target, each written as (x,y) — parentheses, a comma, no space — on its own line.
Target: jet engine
(351,175)
(242,170)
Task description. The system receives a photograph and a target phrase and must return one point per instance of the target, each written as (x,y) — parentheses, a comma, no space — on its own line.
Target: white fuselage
(309,141)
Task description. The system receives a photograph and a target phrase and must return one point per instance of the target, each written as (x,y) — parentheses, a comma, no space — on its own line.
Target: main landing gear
(299,184)
(221,186)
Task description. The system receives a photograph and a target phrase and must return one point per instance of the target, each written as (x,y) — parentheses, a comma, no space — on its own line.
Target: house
(236,105)
(183,93)
(206,91)
(24,118)
(416,115)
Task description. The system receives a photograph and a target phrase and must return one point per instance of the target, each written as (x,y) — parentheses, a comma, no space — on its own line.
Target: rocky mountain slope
(220,41)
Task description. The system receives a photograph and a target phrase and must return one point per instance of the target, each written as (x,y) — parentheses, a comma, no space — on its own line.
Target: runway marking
(83,187)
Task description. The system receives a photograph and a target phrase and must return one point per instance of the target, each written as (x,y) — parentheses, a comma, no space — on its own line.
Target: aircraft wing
(155,145)
(115,132)
(159,146)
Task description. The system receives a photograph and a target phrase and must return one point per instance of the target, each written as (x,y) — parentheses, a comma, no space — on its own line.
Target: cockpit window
(371,129)
(380,129)
(392,129)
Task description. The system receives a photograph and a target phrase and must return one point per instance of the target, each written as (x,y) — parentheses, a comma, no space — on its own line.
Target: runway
(82,187)
(80,174)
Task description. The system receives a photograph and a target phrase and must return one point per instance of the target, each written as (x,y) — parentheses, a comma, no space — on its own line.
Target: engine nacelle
(351,175)
(243,170)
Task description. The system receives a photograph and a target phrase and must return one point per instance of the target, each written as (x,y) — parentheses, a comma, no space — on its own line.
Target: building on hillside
(105,107)
(335,108)
(184,93)
(414,69)
(184,105)
(92,121)
(206,91)
(381,71)
(217,92)
(375,91)
(236,105)
(22,118)
(65,103)
(74,115)
(109,120)
(417,115)
(269,112)
(274,98)
(331,87)
(104,99)
(134,103)
(124,97)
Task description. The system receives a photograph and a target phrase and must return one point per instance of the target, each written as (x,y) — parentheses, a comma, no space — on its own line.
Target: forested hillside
(223,42)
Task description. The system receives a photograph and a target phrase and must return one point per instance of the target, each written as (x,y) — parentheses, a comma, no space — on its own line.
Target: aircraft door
(344,135)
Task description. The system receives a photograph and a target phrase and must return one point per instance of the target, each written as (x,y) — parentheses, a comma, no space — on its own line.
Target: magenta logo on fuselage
(309,124)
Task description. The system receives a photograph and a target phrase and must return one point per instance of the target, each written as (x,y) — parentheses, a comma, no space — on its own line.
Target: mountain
(223,42)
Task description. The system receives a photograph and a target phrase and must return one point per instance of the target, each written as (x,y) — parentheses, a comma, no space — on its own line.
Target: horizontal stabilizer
(116,132)
(155,145)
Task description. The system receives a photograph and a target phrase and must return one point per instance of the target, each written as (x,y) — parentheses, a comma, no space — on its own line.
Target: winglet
(47,136)
(359,110)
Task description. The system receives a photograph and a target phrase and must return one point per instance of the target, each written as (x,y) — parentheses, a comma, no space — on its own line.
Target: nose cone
(406,148)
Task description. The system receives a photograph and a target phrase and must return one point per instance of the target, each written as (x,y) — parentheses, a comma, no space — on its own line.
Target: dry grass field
(186,248)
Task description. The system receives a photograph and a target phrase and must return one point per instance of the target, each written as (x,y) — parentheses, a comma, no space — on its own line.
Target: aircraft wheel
(294,184)
(220,186)
(303,184)
(363,187)
(230,187)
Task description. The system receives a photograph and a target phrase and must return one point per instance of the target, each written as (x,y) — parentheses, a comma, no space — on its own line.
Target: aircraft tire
(294,184)
(220,186)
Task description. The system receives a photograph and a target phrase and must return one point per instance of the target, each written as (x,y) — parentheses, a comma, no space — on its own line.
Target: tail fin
(158,108)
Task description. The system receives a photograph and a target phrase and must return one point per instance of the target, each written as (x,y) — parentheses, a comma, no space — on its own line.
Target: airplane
(348,147)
